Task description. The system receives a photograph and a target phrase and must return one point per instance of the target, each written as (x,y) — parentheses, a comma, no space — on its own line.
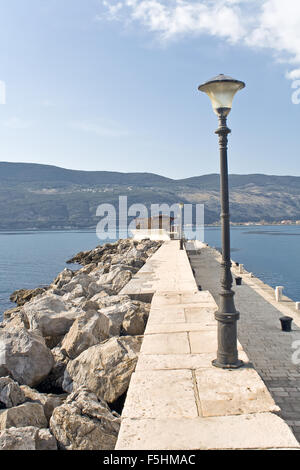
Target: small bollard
(297,305)
(237,264)
(241,266)
(286,323)
(278,293)
(238,281)
(199,288)
(181,244)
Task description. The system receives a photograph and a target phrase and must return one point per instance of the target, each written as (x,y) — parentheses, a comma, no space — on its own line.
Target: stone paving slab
(268,348)
(205,340)
(179,361)
(242,392)
(175,385)
(161,394)
(155,328)
(165,343)
(252,431)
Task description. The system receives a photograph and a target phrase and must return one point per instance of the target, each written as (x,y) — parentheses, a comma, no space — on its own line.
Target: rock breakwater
(68,351)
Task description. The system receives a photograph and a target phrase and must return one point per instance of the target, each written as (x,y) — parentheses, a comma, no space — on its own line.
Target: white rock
(105,369)
(51,315)
(84,333)
(136,317)
(80,279)
(84,422)
(49,401)
(63,278)
(27,438)
(27,414)
(122,278)
(24,356)
(10,393)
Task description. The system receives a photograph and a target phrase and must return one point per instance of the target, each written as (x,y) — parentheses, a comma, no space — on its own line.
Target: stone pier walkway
(176,398)
(268,348)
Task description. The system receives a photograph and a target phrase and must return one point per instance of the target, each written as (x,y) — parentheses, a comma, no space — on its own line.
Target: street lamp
(181,225)
(221,91)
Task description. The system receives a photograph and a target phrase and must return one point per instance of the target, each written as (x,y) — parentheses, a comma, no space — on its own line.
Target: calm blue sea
(31,259)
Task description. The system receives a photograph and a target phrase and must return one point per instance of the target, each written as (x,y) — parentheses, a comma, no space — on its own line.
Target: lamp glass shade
(221,91)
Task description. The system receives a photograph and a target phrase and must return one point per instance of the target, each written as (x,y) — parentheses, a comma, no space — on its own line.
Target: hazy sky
(112,85)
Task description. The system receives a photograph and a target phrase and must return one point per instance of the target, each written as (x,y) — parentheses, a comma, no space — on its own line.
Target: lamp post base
(221,365)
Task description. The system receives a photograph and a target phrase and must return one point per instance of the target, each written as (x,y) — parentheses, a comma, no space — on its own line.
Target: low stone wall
(176,398)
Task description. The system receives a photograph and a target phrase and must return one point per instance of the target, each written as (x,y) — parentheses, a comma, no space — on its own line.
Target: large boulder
(84,333)
(27,438)
(111,319)
(10,393)
(135,319)
(83,280)
(10,313)
(77,292)
(51,315)
(97,288)
(48,401)
(122,278)
(16,319)
(105,369)
(27,414)
(24,356)
(63,278)
(85,422)
(102,300)
(126,317)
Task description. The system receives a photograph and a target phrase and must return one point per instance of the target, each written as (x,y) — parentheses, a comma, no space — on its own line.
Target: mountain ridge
(41,196)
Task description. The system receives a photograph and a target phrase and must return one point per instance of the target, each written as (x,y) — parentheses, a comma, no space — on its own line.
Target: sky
(112,85)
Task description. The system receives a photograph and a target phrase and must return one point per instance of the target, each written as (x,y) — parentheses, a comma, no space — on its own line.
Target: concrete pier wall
(176,398)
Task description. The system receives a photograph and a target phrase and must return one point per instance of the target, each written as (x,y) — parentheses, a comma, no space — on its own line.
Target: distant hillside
(49,197)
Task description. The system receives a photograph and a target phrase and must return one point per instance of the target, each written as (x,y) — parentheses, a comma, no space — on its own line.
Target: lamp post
(181,225)
(221,91)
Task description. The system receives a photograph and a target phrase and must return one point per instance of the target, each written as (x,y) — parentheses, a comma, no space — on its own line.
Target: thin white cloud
(273,24)
(17,123)
(103,129)
(47,104)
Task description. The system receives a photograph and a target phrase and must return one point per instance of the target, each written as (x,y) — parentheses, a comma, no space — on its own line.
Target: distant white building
(155,228)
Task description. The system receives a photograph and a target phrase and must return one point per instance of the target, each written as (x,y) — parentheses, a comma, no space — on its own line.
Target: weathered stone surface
(122,278)
(51,315)
(10,393)
(95,288)
(27,414)
(83,280)
(45,440)
(21,296)
(48,401)
(27,438)
(53,382)
(111,318)
(77,292)
(11,313)
(105,369)
(84,333)
(63,278)
(17,319)
(24,356)
(107,301)
(135,319)
(85,422)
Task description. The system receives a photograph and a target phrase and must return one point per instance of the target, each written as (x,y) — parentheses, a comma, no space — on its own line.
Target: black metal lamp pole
(181,225)
(218,89)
